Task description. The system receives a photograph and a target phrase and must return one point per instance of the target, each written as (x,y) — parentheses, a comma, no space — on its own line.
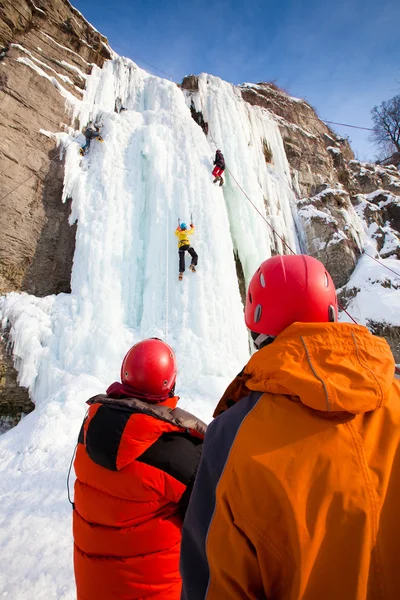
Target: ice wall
(240,130)
(153,168)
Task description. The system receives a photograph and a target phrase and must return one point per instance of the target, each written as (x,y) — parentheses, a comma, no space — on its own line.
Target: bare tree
(386,118)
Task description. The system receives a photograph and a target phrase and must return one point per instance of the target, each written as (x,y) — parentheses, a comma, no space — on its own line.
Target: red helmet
(150,368)
(285,289)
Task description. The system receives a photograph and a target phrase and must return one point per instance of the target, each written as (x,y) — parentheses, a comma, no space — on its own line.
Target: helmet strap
(260,340)
(332,314)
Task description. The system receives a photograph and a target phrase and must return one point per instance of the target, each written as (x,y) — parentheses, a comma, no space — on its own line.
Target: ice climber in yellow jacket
(183,233)
(298,491)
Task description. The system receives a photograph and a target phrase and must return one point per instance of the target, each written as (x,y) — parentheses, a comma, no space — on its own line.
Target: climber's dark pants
(92,134)
(192,253)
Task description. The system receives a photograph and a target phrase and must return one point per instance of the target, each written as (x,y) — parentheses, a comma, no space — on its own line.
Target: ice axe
(191,218)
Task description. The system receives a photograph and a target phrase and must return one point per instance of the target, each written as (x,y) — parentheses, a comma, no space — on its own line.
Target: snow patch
(67,95)
(334,150)
(64,78)
(73,68)
(37,8)
(64,47)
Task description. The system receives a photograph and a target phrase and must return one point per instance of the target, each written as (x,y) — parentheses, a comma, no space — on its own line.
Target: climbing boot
(221,182)
(192,268)
(215,180)
(180,276)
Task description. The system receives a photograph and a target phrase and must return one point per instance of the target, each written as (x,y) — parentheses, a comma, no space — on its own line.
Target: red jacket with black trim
(135,467)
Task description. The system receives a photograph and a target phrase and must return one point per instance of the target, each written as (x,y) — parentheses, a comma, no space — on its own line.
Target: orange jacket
(298,490)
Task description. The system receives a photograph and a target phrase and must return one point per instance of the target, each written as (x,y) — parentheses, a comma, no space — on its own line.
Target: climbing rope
(291,250)
(381,263)
(259,212)
(280,237)
(167,265)
(167,241)
(346,125)
(133,56)
(335,230)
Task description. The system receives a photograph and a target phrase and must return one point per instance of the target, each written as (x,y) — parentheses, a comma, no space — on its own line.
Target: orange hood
(328,366)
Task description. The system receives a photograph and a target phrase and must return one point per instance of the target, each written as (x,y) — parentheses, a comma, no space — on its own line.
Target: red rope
(331,225)
(347,313)
(381,263)
(260,213)
(363,252)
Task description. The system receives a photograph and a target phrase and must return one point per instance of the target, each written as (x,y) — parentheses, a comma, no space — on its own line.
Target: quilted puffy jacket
(135,466)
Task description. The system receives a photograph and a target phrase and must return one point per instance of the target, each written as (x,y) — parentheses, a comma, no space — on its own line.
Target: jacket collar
(331,367)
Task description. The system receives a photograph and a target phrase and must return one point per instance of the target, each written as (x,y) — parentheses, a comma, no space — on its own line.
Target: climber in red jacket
(136,460)
(219,168)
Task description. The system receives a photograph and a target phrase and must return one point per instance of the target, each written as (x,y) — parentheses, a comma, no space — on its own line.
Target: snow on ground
(128,193)
(375,282)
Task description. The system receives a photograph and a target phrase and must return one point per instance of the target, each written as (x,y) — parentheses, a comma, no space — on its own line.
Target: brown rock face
(190,83)
(328,235)
(46,51)
(305,137)
(364,178)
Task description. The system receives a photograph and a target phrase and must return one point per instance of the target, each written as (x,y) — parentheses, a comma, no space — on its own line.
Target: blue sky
(342,56)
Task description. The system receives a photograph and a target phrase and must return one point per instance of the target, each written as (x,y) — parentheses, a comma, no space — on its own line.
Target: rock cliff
(339,199)
(47,49)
